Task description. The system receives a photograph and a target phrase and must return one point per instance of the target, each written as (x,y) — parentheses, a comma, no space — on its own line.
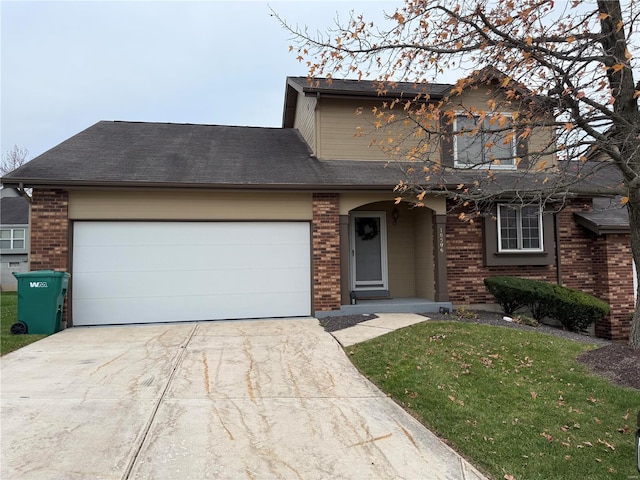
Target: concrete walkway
(385,323)
(218,400)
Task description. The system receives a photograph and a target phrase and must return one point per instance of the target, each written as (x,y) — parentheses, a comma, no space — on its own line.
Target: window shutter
(522,150)
(446,141)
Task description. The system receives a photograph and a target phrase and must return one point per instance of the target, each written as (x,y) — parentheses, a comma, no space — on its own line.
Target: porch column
(326,251)
(441,288)
(346,258)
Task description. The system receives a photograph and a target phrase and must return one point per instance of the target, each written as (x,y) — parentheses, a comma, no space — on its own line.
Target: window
(12,239)
(489,145)
(519,229)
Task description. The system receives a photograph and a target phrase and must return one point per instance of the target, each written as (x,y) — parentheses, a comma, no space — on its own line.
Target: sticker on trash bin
(38,284)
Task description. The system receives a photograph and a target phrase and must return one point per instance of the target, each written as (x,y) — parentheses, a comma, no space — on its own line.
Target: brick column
(614,284)
(601,265)
(49,230)
(326,251)
(50,233)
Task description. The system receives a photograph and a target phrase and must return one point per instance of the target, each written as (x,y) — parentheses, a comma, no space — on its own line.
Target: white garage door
(141,272)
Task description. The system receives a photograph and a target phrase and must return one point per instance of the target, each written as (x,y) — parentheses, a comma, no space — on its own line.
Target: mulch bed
(616,361)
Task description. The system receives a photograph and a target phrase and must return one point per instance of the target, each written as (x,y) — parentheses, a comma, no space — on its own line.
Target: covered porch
(393,256)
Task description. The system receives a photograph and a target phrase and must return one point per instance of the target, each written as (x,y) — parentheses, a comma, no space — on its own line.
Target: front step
(370,295)
(388,305)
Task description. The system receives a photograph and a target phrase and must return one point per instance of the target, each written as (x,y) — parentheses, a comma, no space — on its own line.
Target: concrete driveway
(219,400)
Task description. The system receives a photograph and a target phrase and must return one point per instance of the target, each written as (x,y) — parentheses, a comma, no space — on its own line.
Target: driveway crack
(179,358)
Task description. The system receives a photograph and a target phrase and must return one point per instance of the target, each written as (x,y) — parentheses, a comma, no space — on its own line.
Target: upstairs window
(486,143)
(12,239)
(519,229)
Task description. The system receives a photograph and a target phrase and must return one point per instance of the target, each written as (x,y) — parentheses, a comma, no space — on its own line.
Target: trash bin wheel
(19,328)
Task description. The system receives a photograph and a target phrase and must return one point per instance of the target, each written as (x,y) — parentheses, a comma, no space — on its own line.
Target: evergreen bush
(574,309)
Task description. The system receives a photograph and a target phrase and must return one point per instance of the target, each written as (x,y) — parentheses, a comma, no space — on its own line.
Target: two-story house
(14,237)
(177,222)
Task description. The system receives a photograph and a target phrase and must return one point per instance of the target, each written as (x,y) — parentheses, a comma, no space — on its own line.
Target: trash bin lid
(41,273)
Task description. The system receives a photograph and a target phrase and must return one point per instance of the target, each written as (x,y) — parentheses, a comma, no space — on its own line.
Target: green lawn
(8,342)
(514,402)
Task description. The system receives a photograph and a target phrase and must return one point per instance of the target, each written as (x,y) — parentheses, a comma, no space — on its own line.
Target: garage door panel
(190,233)
(130,259)
(188,308)
(136,272)
(248,281)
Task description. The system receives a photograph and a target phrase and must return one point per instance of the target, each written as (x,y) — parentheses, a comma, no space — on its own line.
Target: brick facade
(326,251)
(50,230)
(576,245)
(600,265)
(466,269)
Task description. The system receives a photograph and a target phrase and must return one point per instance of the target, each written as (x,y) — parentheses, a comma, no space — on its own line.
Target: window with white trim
(519,229)
(489,144)
(12,238)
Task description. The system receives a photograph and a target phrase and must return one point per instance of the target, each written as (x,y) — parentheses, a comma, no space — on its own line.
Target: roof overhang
(67,185)
(599,223)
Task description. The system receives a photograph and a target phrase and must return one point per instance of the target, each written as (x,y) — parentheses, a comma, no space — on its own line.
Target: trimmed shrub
(577,310)
(515,293)
(574,309)
(506,292)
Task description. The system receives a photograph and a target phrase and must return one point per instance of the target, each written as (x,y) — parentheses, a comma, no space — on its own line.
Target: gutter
(326,187)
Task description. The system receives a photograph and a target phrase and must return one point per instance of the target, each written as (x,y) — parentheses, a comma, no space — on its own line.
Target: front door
(368,251)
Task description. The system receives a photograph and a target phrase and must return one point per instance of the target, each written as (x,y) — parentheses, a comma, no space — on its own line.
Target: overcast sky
(67,65)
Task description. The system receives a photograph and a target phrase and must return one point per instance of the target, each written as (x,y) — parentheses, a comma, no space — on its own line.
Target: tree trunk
(633,207)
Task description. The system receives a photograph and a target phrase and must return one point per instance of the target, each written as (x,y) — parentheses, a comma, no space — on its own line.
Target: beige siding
(305,120)
(423,240)
(401,253)
(337,129)
(337,125)
(188,205)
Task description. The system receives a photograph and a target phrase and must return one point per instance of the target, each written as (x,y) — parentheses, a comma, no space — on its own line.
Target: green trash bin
(40,301)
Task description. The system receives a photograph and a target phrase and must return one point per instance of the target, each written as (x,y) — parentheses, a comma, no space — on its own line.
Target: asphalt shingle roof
(608,215)
(368,88)
(156,154)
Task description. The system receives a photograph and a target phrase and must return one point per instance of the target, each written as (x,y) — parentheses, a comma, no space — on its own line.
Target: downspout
(317,127)
(557,239)
(24,193)
(29,200)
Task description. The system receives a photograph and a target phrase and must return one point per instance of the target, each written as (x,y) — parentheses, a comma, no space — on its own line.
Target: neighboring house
(14,237)
(179,222)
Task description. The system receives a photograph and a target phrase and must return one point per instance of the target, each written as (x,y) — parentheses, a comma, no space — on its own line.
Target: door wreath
(367,228)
